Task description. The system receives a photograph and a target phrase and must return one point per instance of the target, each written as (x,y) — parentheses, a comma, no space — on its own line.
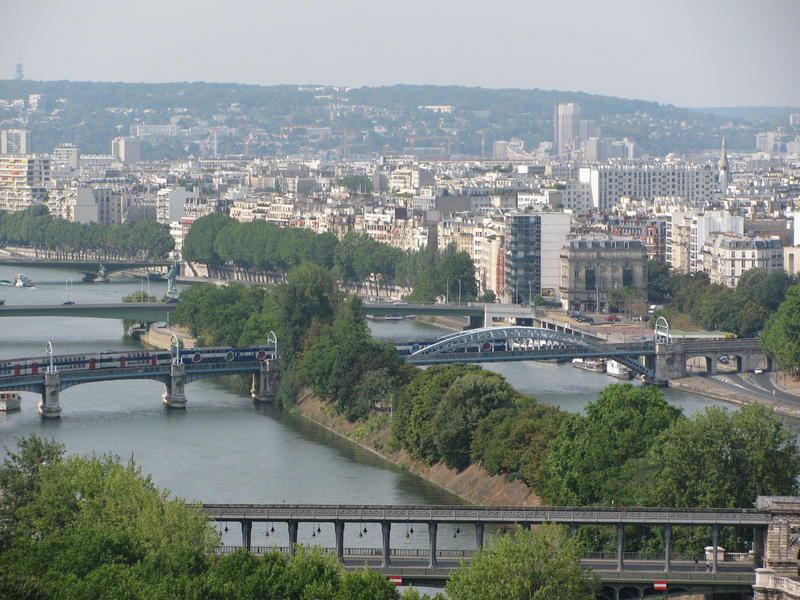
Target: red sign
(396,580)
(660,586)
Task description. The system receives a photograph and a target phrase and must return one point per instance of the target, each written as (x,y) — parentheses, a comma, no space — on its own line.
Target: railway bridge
(769,570)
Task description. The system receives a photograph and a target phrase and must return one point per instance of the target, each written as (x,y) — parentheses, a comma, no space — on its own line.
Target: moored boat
(9,401)
(593,365)
(616,369)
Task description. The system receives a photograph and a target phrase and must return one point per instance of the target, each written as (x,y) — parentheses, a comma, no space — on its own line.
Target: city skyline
(712,53)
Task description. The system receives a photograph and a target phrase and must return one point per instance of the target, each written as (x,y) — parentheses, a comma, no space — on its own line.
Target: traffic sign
(660,586)
(396,580)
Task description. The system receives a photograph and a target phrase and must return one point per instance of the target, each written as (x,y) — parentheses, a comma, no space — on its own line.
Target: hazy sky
(684,52)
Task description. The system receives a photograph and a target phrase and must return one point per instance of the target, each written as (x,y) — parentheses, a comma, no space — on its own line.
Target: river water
(223,448)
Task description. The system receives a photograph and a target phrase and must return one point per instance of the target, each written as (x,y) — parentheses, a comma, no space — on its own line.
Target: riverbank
(473,484)
(708,387)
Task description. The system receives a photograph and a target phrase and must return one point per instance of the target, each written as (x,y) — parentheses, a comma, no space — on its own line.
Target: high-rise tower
(566,127)
(18,75)
(723,167)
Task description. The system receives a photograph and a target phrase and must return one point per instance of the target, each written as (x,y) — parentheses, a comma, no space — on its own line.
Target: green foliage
(543,564)
(139,296)
(589,458)
(357,184)
(742,311)
(345,364)
(199,243)
(35,227)
(781,336)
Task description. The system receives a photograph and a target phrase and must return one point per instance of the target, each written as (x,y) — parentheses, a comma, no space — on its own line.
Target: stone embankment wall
(473,484)
(160,337)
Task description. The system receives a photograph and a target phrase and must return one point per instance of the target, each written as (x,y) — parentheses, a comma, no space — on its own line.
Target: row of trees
(217,240)
(91,528)
(694,300)
(37,228)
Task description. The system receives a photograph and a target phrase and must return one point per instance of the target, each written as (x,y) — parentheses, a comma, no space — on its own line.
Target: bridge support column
(338,528)
(432,540)
(50,407)
(572,530)
(758,547)
(174,395)
(667,546)
(265,382)
(292,535)
(247,531)
(479,535)
(620,546)
(714,543)
(386,533)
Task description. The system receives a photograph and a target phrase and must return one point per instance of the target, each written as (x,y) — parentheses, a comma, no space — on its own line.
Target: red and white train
(111,360)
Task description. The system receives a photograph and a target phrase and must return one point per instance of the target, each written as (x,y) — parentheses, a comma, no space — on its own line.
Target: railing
(776,583)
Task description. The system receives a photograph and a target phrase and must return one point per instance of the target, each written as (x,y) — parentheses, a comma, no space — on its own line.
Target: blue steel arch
(530,343)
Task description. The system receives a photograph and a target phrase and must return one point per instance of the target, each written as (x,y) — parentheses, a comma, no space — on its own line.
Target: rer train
(110,360)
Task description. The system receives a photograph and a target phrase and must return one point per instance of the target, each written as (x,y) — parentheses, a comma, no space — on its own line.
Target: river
(223,448)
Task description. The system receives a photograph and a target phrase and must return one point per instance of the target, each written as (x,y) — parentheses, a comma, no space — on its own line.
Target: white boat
(23,281)
(9,401)
(619,370)
(593,365)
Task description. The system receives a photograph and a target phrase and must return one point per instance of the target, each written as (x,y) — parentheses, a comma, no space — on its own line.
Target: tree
(199,243)
(780,338)
(595,457)
(543,564)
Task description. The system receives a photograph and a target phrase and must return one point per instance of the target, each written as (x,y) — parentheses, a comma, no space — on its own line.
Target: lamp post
(447,292)
(459,291)
(530,294)
(49,350)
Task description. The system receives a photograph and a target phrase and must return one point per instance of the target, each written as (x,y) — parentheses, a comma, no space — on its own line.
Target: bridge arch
(528,343)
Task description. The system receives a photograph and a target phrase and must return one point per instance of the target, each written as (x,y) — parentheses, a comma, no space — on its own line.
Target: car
(67,302)
(724,360)
(612,318)
(171,301)
(400,303)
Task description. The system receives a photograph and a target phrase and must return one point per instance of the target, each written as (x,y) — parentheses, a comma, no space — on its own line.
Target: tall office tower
(566,127)
(15,141)
(723,167)
(125,149)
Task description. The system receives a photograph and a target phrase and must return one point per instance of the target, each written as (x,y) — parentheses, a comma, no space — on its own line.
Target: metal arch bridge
(490,344)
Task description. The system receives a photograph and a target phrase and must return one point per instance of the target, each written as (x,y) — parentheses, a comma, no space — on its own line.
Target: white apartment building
(609,183)
(726,257)
(706,224)
(65,157)
(24,179)
(15,141)
(125,149)
(102,205)
(170,203)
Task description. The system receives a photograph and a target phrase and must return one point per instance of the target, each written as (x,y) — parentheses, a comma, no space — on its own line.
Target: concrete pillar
(50,407)
(479,535)
(247,530)
(174,395)
(620,546)
(573,529)
(715,543)
(758,547)
(386,533)
(265,382)
(667,546)
(432,539)
(338,527)
(292,535)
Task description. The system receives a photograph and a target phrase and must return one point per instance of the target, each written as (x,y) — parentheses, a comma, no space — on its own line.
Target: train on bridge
(110,360)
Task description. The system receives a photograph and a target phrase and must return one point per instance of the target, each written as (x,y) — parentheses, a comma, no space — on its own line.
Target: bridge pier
(432,526)
(292,535)
(338,527)
(386,532)
(50,406)
(266,381)
(667,547)
(247,531)
(479,535)
(620,547)
(174,395)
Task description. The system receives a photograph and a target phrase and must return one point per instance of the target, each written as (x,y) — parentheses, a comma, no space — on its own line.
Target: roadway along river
(222,448)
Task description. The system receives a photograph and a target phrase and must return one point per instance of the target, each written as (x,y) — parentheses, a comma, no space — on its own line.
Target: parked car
(612,318)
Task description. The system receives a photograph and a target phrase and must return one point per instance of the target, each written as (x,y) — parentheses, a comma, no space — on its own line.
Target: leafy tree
(199,243)
(724,459)
(543,564)
(589,458)
(781,336)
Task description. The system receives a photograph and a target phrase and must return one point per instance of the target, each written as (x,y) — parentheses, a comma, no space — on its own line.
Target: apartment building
(726,257)
(592,266)
(24,179)
(609,183)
